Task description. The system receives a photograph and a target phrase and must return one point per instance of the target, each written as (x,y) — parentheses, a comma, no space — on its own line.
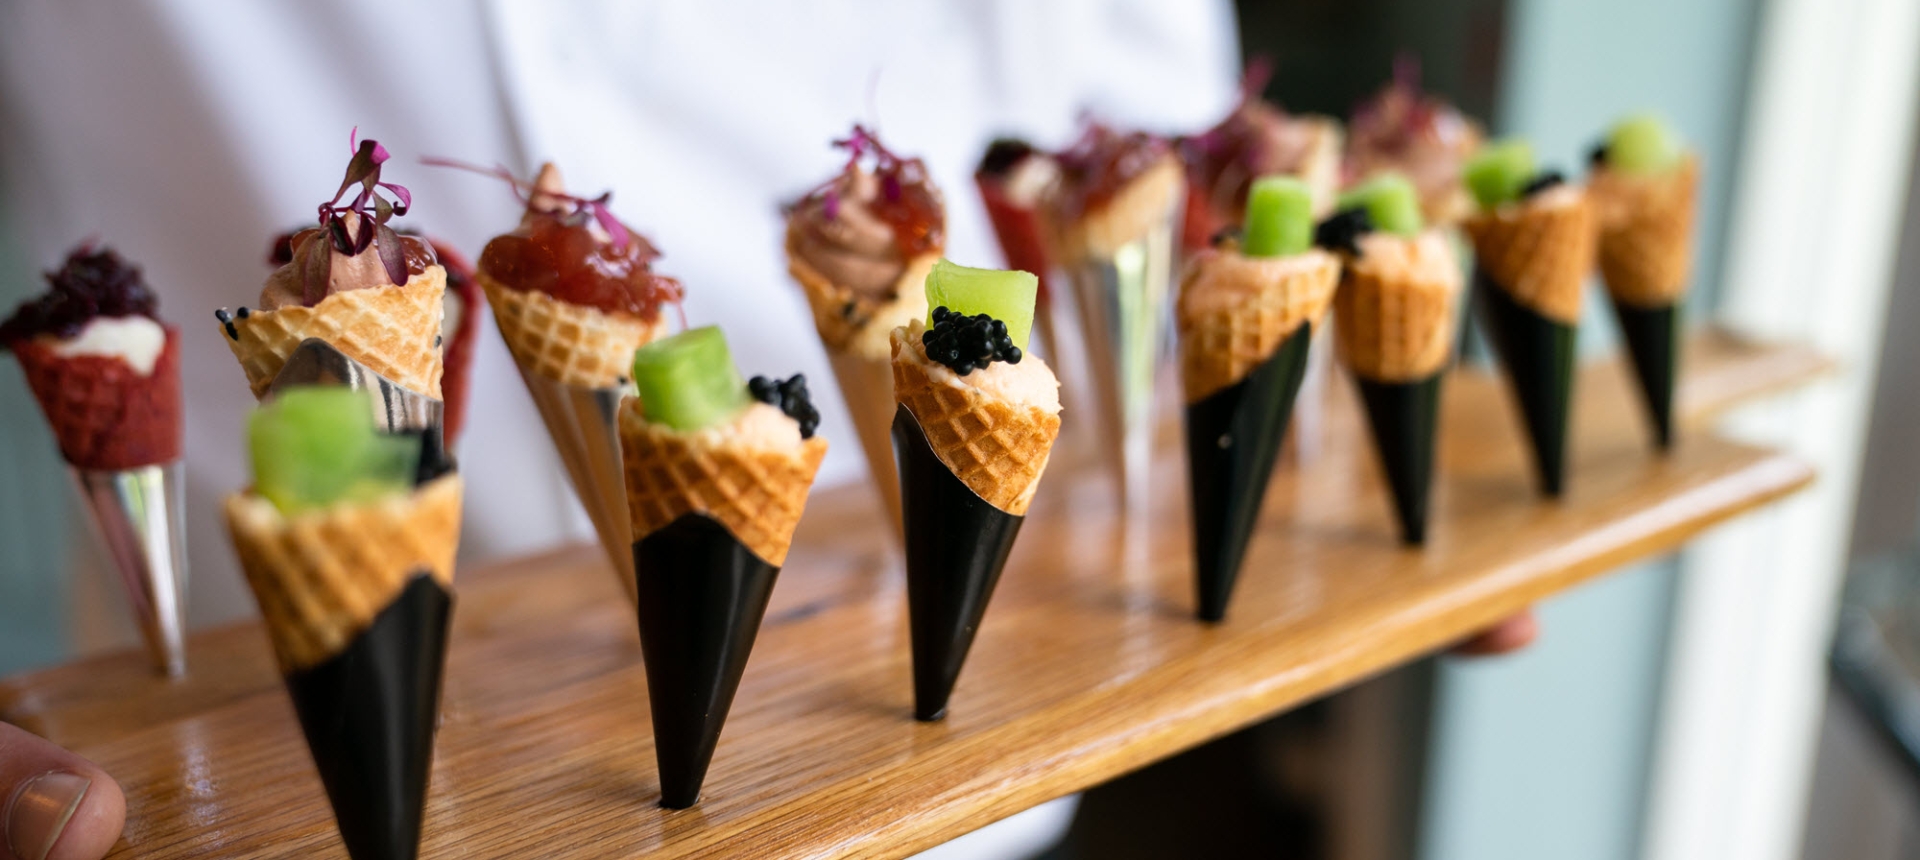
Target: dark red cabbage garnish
(371,210)
(582,207)
(907,201)
(1400,112)
(92,283)
(1236,137)
(1103,160)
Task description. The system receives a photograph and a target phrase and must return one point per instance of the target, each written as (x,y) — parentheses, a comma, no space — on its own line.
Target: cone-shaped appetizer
(574,294)
(1112,221)
(1257,139)
(717,473)
(1533,243)
(1246,316)
(347,537)
(1394,314)
(459,324)
(1012,177)
(860,246)
(1644,185)
(1418,135)
(353,282)
(106,372)
(976,422)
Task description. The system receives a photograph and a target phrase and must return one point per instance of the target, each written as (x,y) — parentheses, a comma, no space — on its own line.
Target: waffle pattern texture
(1646,232)
(1539,250)
(394,331)
(321,576)
(997,448)
(1394,313)
(758,493)
(1220,343)
(854,323)
(105,414)
(581,346)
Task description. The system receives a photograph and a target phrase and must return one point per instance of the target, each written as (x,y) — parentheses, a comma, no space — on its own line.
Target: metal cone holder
(585,426)
(1123,299)
(139,516)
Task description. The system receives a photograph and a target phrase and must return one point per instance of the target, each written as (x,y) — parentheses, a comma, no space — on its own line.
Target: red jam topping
(558,253)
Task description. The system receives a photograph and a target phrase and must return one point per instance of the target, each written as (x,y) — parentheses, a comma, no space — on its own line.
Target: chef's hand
(1506,637)
(54,805)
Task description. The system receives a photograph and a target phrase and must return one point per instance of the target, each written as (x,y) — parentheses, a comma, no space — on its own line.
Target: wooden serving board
(1089,663)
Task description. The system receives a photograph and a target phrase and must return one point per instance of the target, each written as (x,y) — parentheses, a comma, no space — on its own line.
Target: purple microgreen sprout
(582,207)
(860,144)
(371,210)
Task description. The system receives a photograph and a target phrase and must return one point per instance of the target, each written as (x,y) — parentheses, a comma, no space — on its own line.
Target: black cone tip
(957,545)
(369,713)
(1539,355)
(1233,438)
(701,594)
(1653,342)
(1403,416)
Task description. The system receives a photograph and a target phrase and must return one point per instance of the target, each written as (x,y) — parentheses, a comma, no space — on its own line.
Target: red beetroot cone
(1017,228)
(106,415)
(457,356)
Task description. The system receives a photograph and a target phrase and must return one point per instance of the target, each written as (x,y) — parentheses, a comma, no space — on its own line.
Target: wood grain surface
(1089,663)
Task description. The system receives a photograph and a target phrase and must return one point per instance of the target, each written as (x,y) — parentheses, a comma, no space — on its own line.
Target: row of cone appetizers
(695,478)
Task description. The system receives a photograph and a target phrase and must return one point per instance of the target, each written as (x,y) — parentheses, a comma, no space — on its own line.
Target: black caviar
(92,283)
(1542,181)
(968,343)
(791,396)
(1342,230)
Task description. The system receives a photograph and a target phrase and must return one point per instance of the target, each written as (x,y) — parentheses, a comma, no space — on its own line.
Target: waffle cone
(1234,311)
(394,331)
(849,321)
(757,493)
(1646,232)
(997,448)
(1394,311)
(577,345)
(867,386)
(320,577)
(105,414)
(1141,204)
(1539,250)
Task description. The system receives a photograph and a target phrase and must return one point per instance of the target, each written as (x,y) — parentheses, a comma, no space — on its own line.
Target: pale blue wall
(1545,754)
(36,504)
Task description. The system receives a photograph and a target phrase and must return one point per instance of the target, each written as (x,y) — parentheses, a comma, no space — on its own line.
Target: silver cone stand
(138,513)
(585,426)
(396,409)
(1123,302)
